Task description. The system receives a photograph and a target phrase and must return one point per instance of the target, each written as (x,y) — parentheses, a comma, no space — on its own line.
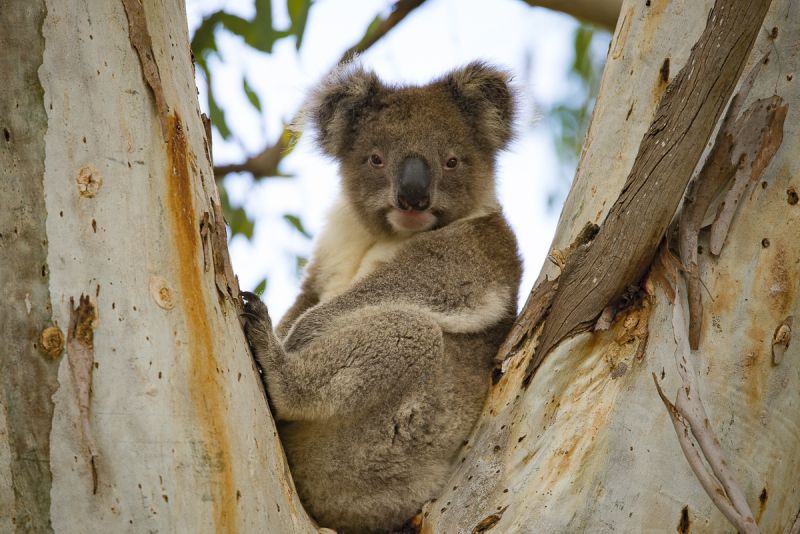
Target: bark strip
(226,281)
(743,148)
(669,152)
(717,171)
(28,372)
(80,353)
(689,416)
(759,135)
(143,44)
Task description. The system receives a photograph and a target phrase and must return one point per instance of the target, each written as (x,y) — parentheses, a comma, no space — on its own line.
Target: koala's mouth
(411,220)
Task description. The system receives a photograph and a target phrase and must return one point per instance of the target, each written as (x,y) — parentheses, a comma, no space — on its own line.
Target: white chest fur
(347,252)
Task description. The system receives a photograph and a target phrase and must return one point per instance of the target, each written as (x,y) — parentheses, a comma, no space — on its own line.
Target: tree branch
(668,154)
(600,12)
(266,162)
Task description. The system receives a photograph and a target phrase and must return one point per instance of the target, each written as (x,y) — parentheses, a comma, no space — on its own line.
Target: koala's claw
(255,315)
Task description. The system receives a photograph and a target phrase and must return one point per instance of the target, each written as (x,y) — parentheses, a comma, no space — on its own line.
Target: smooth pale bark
(588,445)
(93,201)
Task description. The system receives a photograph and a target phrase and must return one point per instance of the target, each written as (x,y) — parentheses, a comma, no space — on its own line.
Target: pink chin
(410,221)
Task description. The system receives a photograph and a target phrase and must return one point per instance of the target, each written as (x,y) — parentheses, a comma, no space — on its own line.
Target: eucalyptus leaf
(251,95)
(261,287)
(297,224)
(236,217)
(300,264)
(298,14)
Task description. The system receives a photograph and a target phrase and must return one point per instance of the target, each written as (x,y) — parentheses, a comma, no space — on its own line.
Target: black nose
(414,184)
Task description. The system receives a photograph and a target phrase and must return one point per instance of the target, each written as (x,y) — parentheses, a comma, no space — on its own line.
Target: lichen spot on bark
(51,342)
(161,292)
(89,181)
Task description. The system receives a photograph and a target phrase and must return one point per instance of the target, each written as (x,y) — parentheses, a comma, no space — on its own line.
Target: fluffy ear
(483,94)
(338,104)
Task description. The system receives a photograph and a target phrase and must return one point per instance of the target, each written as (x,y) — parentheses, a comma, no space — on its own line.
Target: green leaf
(298,14)
(583,63)
(236,24)
(203,40)
(300,263)
(295,221)
(236,217)
(261,34)
(217,114)
(261,287)
(251,95)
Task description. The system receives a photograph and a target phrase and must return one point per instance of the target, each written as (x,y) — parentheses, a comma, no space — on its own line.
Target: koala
(379,370)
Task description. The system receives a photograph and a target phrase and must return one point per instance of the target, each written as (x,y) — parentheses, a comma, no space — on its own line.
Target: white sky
(534,43)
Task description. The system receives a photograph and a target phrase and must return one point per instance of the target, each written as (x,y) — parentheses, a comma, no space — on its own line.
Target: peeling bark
(80,352)
(744,145)
(143,44)
(227,283)
(781,340)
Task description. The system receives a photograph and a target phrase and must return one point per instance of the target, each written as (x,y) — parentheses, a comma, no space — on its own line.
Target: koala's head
(415,158)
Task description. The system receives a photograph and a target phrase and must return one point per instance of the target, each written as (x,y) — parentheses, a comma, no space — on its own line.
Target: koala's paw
(256,321)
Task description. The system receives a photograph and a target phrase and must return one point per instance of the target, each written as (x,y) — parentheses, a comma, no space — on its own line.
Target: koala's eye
(376,161)
(451,163)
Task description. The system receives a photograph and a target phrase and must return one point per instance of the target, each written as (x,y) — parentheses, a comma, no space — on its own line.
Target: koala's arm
(359,360)
(463,277)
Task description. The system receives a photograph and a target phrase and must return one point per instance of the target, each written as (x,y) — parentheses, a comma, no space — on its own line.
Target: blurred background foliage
(567,118)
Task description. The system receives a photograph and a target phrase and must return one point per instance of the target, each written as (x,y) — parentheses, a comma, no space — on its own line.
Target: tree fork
(685,118)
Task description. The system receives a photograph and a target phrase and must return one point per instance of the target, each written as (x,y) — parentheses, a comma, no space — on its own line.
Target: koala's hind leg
(361,359)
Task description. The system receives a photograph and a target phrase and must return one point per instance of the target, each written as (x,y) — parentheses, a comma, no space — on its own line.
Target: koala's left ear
(482,93)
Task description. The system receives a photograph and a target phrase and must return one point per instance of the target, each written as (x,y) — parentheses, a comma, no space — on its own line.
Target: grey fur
(377,385)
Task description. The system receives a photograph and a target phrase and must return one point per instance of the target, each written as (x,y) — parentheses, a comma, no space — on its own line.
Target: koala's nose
(414,184)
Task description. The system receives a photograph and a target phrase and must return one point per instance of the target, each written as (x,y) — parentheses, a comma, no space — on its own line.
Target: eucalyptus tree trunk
(128,401)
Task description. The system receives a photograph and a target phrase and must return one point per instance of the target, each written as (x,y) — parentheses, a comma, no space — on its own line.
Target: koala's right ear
(484,95)
(337,106)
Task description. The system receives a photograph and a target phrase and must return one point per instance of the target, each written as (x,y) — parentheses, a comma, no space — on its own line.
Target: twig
(266,162)
(601,12)
(710,484)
